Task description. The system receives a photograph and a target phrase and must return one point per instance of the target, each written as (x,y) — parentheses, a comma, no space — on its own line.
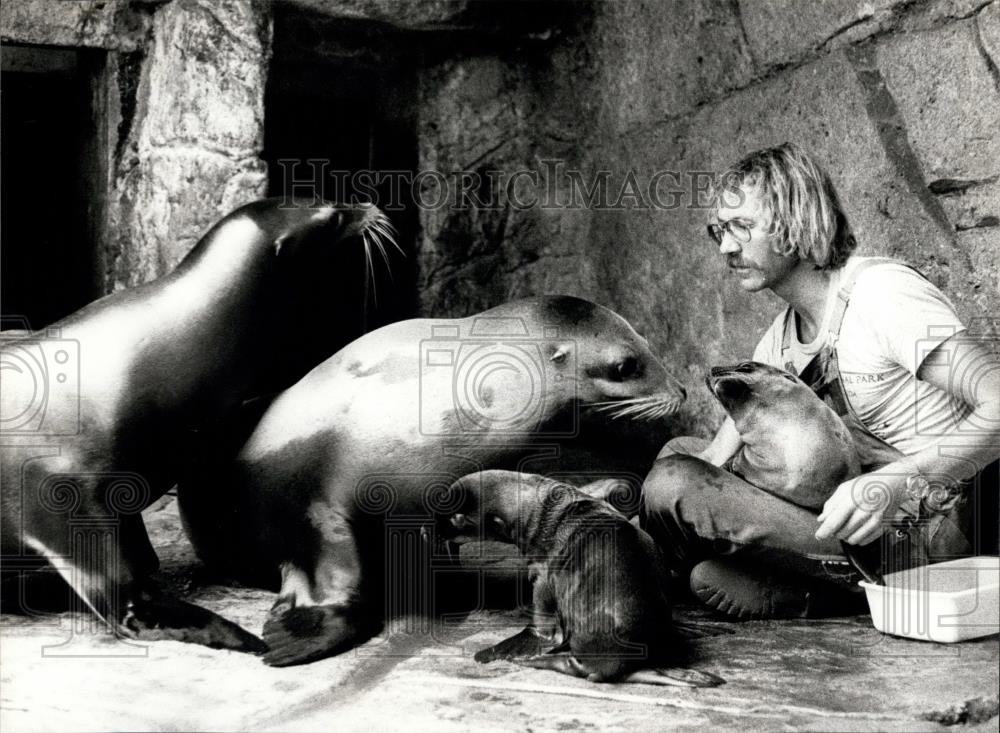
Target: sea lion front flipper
(675,677)
(538,637)
(558,661)
(324,612)
(153,615)
(695,630)
(526,643)
(306,633)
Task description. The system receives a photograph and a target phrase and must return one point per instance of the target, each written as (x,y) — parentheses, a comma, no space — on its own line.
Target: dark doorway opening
(51,183)
(339,117)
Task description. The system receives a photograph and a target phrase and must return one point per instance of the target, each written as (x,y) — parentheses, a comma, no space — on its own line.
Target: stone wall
(192,154)
(180,111)
(901,100)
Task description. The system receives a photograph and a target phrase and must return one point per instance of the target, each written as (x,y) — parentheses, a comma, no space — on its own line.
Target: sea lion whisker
(385,230)
(607,405)
(377,238)
(628,411)
(370,266)
(619,402)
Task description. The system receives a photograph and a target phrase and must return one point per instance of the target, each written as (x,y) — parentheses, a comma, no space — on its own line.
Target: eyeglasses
(739,231)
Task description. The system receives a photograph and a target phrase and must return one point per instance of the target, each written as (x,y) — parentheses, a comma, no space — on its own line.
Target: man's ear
(458,521)
(499,526)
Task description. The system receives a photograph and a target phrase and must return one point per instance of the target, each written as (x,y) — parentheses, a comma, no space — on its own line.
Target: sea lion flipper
(562,661)
(675,677)
(697,630)
(526,643)
(307,633)
(152,616)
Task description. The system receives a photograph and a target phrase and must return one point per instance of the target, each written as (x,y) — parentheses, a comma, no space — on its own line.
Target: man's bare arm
(965,369)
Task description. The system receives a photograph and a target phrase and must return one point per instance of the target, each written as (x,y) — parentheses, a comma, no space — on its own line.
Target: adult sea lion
(600,605)
(111,406)
(387,424)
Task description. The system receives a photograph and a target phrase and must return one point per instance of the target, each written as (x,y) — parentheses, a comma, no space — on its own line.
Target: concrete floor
(835,675)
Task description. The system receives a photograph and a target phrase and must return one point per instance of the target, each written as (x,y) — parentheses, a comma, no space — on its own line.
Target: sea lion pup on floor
(794,445)
(111,406)
(371,435)
(600,604)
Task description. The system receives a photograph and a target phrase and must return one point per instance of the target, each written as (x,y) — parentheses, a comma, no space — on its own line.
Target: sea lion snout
(734,385)
(730,385)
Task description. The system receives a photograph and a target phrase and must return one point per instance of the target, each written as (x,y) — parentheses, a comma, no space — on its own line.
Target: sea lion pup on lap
(600,604)
(794,445)
(394,416)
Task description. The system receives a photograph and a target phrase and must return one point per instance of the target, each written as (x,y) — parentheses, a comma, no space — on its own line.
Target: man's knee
(670,482)
(687,445)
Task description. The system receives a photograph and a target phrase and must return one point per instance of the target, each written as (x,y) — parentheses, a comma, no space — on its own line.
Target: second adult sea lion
(388,423)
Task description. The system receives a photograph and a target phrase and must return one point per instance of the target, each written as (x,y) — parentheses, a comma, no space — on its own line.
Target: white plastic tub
(944,602)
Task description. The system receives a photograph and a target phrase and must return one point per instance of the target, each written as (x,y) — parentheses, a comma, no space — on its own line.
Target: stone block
(785,31)
(983,247)
(473,118)
(108,24)
(196,136)
(947,99)
(970,204)
(208,67)
(400,13)
(660,60)
(988,25)
(168,201)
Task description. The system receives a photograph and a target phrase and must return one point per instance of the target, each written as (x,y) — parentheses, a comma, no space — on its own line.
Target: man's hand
(856,510)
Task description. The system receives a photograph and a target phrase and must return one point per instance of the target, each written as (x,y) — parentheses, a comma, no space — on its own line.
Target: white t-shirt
(894,320)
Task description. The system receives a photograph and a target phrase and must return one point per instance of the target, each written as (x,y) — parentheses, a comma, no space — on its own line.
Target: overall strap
(844,296)
(836,317)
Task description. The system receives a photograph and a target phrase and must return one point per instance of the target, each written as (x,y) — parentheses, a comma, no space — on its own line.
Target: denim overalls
(921,531)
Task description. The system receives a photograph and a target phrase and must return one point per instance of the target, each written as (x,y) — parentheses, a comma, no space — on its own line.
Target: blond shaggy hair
(806,216)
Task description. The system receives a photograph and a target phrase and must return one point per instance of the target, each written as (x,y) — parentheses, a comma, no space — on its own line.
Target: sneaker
(739,592)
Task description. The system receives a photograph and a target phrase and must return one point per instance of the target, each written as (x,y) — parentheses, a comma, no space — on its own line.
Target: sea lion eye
(627,368)
(560,355)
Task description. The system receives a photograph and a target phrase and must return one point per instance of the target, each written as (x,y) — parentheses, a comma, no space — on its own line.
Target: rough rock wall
(193,151)
(900,100)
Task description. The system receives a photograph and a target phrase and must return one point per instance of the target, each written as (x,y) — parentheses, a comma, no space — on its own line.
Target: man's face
(754,262)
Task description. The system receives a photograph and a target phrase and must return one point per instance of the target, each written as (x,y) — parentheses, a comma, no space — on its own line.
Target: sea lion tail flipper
(152,616)
(675,677)
(304,634)
(526,643)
